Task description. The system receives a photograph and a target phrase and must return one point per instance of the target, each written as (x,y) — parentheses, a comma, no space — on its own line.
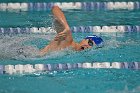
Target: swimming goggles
(90,42)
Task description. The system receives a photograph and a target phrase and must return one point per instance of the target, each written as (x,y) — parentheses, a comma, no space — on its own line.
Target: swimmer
(64,39)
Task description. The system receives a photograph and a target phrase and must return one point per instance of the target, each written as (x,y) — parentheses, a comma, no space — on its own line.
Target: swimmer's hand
(62,35)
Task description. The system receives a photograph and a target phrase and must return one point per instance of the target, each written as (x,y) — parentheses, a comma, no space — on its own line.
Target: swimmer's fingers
(64,33)
(60,37)
(56,38)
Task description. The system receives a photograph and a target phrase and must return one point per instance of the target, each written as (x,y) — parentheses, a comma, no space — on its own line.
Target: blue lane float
(43,6)
(132,28)
(1,69)
(74,29)
(40,6)
(30,69)
(94,5)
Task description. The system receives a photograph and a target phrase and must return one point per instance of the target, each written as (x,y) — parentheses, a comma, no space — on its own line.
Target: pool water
(118,47)
(74,18)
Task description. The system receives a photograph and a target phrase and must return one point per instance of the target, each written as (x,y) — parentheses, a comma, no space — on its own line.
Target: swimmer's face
(86,43)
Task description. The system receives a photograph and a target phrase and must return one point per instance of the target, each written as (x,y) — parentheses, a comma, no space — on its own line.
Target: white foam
(13,48)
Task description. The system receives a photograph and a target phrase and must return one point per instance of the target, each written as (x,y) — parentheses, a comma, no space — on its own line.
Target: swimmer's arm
(43,51)
(66,33)
(60,17)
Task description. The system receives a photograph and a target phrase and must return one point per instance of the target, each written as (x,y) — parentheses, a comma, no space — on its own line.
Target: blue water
(119,47)
(74,18)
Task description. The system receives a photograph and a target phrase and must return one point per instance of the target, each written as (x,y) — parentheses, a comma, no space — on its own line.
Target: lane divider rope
(74,29)
(29,69)
(70,5)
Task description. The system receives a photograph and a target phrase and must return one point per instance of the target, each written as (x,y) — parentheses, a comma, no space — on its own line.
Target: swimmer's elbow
(43,51)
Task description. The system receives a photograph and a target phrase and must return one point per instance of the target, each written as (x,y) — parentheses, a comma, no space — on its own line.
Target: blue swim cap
(98,40)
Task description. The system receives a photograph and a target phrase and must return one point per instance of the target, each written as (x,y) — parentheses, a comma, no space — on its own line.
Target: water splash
(15,48)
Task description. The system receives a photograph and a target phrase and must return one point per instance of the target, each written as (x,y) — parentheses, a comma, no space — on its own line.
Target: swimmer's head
(91,41)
